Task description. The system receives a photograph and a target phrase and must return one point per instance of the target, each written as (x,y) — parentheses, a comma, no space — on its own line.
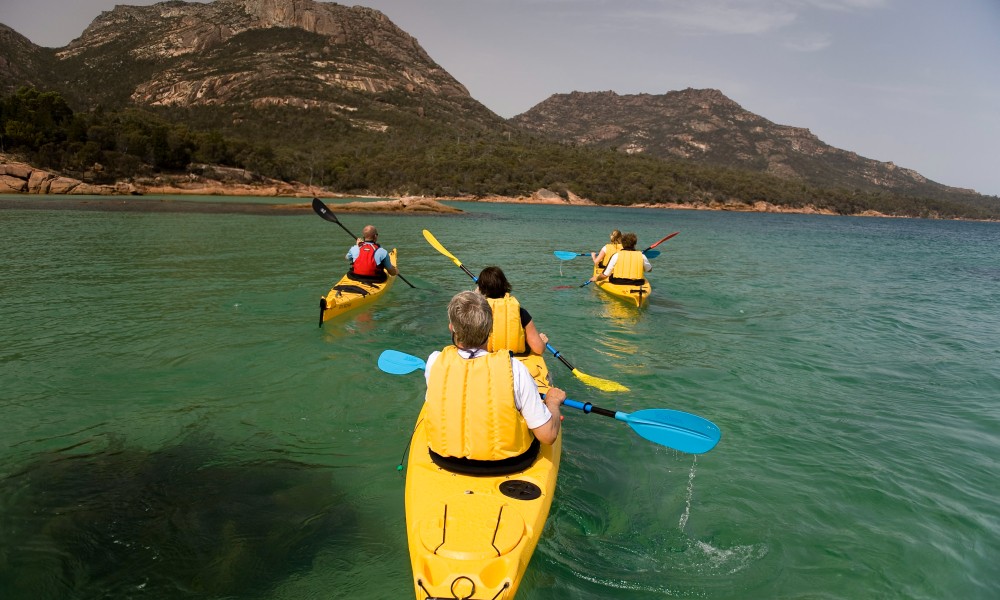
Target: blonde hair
(471,319)
(616,237)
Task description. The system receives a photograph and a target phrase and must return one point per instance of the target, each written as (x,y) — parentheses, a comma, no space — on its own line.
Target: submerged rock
(178,522)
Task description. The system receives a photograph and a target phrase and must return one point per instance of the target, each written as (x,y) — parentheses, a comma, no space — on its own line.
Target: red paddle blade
(663,240)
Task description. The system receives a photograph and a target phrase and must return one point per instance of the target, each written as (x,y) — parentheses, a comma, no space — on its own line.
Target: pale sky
(914,82)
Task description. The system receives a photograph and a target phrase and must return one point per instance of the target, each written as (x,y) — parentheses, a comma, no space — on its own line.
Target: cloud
(724,17)
(809,42)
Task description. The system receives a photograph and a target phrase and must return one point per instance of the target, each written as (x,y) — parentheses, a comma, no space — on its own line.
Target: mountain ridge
(342,93)
(704,126)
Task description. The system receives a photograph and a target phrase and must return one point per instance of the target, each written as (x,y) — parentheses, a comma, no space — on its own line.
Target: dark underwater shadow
(178,522)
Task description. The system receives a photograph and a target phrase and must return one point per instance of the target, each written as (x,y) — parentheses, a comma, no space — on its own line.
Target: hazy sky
(914,82)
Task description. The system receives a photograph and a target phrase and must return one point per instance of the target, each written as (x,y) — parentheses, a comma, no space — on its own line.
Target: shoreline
(63,193)
(177,202)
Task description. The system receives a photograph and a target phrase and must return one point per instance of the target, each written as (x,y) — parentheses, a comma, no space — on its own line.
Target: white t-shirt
(614,261)
(526,397)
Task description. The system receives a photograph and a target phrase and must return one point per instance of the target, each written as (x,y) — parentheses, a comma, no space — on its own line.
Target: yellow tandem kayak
(538,369)
(634,294)
(348,294)
(472,536)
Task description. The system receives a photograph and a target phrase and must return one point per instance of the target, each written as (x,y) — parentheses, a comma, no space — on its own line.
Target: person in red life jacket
(369,261)
(627,265)
(484,413)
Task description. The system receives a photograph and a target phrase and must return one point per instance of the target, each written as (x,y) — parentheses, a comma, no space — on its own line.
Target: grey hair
(471,319)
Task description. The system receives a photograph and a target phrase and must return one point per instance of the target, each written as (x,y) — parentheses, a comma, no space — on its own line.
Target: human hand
(545,338)
(360,241)
(554,396)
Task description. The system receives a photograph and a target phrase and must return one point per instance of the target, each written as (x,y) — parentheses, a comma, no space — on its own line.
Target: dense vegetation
(413,155)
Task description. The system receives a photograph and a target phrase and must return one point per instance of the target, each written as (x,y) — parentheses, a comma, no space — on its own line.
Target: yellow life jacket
(609,251)
(507,334)
(470,409)
(629,265)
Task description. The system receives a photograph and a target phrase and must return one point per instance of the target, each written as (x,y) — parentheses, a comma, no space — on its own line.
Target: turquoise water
(176,425)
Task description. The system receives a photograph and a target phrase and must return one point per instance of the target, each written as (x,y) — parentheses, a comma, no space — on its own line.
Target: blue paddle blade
(674,429)
(651,253)
(399,363)
(564,255)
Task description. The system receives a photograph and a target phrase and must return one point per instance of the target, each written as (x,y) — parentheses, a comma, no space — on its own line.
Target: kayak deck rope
(444,529)
(402,459)
(455,596)
(496,530)
(352,289)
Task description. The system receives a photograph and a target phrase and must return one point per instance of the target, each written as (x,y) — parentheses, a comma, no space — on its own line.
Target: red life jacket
(364,264)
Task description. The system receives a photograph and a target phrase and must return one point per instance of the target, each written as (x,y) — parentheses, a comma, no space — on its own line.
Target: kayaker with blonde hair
(627,266)
(610,249)
(483,410)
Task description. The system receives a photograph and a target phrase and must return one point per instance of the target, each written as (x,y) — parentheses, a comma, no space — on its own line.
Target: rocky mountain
(706,127)
(21,62)
(340,97)
(347,62)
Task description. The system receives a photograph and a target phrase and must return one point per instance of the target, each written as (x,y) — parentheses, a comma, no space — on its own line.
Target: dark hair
(628,241)
(492,283)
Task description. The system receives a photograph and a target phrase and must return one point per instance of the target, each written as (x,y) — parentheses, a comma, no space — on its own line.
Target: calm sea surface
(174,424)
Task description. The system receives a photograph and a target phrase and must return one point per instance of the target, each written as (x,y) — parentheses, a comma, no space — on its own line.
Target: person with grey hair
(483,410)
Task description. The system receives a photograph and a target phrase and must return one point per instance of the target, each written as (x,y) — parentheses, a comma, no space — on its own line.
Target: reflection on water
(175,522)
(624,316)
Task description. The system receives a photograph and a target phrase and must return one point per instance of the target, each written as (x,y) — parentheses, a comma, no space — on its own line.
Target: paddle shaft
(324,212)
(661,241)
(433,241)
(587,407)
(556,354)
(670,428)
(469,273)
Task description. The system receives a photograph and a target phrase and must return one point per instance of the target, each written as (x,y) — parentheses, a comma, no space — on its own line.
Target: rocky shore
(146,194)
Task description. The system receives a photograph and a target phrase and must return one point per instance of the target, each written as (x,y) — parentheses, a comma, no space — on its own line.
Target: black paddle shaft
(590,408)
(324,212)
(562,359)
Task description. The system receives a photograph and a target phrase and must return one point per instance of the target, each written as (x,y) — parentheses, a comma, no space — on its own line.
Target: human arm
(536,341)
(538,413)
(549,431)
(383,260)
(389,267)
(607,270)
(646,264)
(599,256)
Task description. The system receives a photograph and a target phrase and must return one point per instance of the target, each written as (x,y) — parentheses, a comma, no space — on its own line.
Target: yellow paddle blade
(602,384)
(437,246)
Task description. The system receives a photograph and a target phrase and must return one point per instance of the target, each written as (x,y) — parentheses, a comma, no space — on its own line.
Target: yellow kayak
(631,293)
(538,369)
(472,536)
(348,294)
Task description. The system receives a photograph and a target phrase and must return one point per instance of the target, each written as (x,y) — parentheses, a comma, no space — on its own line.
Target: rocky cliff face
(705,126)
(272,70)
(253,53)
(21,62)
